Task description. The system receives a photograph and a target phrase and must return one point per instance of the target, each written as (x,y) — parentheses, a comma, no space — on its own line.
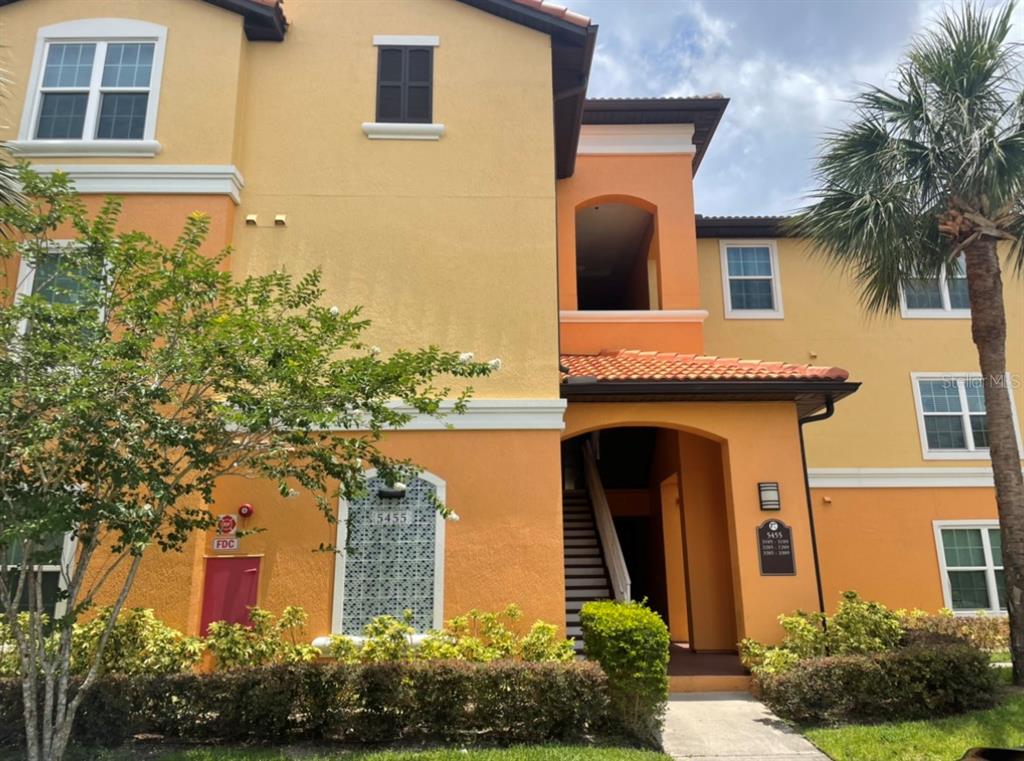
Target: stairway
(586,577)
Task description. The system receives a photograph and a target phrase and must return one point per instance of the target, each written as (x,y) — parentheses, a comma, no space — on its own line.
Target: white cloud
(788,67)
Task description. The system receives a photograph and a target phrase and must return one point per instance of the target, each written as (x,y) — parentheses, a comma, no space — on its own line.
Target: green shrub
(905,683)
(139,643)
(858,626)
(500,701)
(988,633)
(477,636)
(266,641)
(631,643)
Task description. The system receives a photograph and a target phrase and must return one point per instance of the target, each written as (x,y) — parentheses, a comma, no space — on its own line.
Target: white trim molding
(971,452)
(899,478)
(338,598)
(99,31)
(86,148)
(489,415)
(407,40)
(619,139)
(156,179)
(402,131)
(777,313)
(632,315)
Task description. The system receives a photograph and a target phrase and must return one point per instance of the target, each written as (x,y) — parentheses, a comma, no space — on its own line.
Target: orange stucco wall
(881,542)
(759,442)
(662,185)
(506,547)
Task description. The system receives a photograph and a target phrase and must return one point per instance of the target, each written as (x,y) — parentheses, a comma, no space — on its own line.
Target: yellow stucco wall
(825,325)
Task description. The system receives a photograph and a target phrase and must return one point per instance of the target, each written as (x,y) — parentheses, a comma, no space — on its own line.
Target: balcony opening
(616,257)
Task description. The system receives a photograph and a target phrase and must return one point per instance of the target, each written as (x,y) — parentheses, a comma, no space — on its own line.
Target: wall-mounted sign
(227,525)
(775,549)
(226,543)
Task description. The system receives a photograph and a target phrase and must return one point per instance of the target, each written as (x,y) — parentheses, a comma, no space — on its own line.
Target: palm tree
(927,172)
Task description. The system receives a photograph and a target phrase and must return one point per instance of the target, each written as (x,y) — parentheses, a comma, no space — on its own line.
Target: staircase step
(586,593)
(579,532)
(580,542)
(586,582)
(591,561)
(573,606)
(582,552)
(574,631)
(570,520)
(572,619)
(585,570)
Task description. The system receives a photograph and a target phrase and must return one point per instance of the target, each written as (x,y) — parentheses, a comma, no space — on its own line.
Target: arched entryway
(664,489)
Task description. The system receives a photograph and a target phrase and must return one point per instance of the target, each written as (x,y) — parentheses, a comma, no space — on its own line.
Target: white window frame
(99,31)
(971,453)
(989,568)
(947,312)
(67,557)
(751,314)
(338,598)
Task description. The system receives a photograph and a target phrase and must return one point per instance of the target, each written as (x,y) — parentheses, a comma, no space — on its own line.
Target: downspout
(830,408)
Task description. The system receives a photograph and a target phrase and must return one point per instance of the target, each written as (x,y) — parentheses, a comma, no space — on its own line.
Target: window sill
(753,314)
(956,454)
(402,131)
(72,148)
(936,314)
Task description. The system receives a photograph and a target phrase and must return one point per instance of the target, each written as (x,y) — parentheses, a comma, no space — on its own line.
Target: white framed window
(951,415)
(53,560)
(94,89)
(751,286)
(971,563)
(943,297)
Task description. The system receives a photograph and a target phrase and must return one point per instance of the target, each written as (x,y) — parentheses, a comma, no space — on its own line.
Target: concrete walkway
(730,726)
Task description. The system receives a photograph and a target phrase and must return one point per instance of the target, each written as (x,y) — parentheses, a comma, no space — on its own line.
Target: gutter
(830,408)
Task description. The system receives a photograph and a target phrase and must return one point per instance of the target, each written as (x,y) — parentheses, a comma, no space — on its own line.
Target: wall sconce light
(768,493)
(396,491)
(251,219)
(280,220)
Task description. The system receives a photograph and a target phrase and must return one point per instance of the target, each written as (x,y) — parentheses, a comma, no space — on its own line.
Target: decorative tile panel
(390,560)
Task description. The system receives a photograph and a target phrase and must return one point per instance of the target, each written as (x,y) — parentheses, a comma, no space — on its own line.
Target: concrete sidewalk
(730,726)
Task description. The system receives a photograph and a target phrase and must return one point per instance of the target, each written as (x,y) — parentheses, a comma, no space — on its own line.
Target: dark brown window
(405,84)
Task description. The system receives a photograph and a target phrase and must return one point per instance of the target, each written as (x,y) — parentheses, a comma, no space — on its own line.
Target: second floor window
(951,416)
(942,296)
(95,90)
(405,84)
(750,279)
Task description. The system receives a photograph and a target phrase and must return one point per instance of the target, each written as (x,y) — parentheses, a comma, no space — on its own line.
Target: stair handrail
(610,546)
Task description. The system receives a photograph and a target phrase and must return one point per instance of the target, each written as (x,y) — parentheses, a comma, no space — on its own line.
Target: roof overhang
(741,227)
(261,20)
(703,113)
(809,396)
(572,50)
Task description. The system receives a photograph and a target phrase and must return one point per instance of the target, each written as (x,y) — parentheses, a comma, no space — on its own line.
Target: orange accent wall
(662,185)
(506,547)
(881,542)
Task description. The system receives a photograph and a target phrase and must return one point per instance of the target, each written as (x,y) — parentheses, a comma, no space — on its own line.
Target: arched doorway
(616,256)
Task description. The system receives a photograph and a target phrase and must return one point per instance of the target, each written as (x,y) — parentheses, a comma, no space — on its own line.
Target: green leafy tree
(930,173)
(134,377)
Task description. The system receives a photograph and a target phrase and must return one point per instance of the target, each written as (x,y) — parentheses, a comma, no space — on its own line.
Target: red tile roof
(633,365)
(558,11)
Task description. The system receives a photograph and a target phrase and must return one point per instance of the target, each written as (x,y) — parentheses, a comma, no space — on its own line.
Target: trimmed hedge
(631,643)
(914,682)
(501,701)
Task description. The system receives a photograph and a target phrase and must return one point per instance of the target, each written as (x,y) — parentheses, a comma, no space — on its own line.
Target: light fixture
(768,493)
(251,219)
(281,220)
(396,491)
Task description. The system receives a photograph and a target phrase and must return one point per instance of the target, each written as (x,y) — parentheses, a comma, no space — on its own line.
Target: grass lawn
(300,753)
(935,740)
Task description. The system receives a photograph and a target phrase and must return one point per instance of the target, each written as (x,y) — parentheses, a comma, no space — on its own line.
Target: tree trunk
(988,329)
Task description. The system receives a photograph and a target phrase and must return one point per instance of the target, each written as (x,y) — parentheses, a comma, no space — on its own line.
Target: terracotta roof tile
(556,10)
(633,365)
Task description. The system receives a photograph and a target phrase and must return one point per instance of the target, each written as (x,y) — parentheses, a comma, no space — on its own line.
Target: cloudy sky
(788,66)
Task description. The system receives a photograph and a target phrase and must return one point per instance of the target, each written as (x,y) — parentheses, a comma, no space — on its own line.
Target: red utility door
(229,590)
